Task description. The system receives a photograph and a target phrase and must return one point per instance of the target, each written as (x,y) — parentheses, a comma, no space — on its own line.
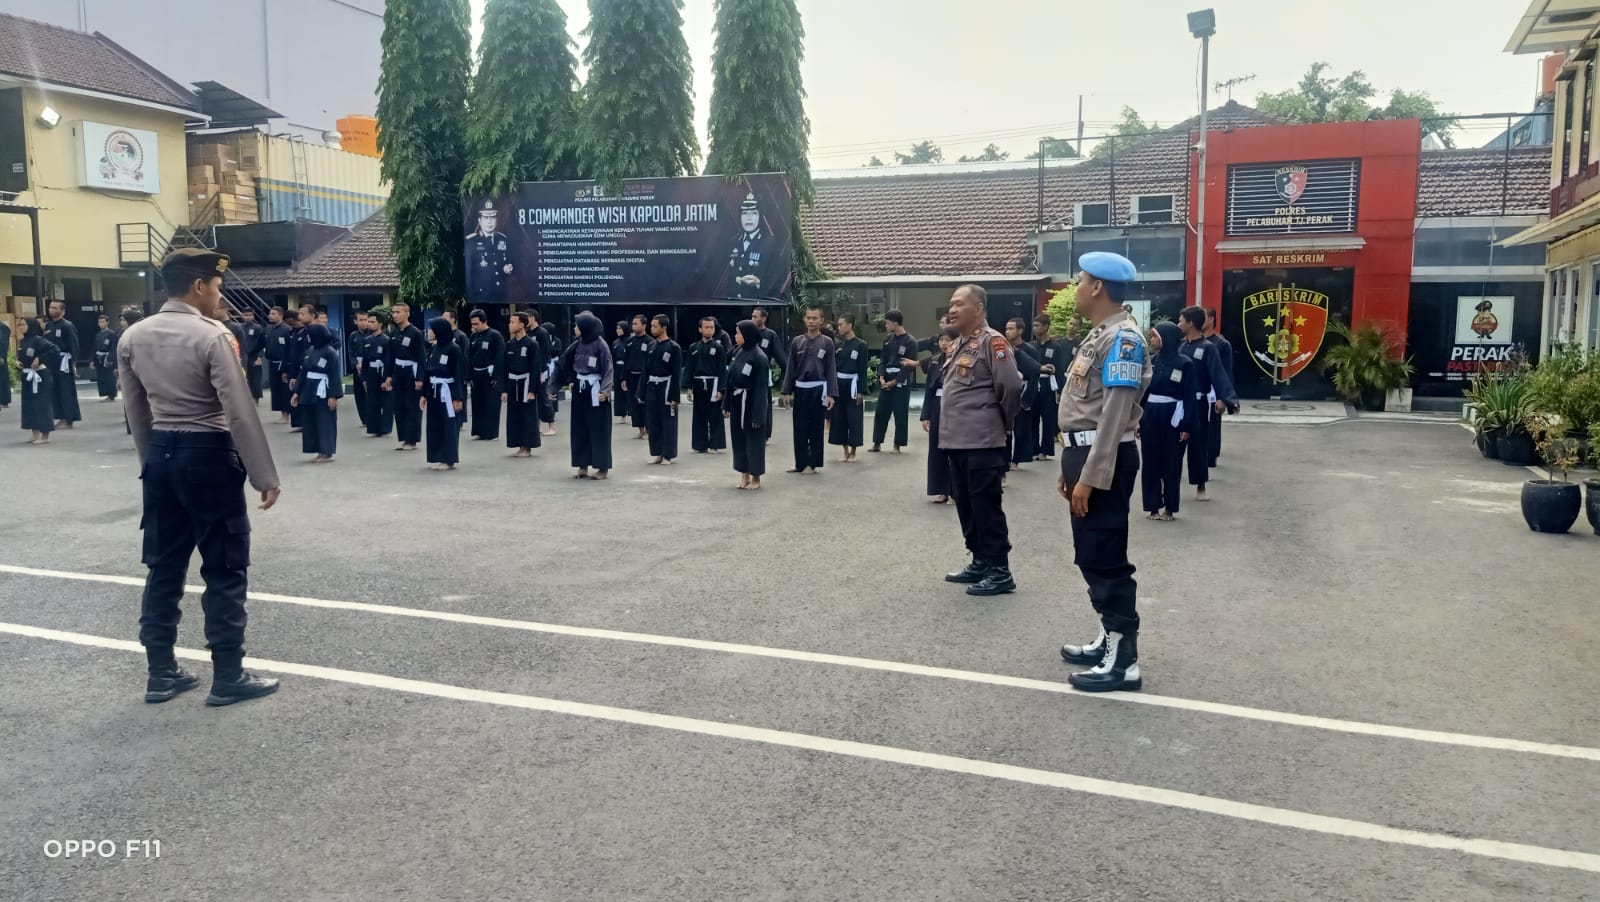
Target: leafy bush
(1567,384)
(1558,450)
(1366,361)
(1064,316)
(14,372)
(1502,399)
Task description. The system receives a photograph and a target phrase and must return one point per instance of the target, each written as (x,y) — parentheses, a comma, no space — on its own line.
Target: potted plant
(1551,505)
(1591,487)
(1367,365)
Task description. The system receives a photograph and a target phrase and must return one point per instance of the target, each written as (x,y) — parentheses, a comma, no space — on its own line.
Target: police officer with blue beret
(1099,413)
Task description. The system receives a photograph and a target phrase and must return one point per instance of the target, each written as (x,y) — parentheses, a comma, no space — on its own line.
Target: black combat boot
(1086,655)
(167,679)
(997,581)
(230,683)
(974,572)
(1119,669)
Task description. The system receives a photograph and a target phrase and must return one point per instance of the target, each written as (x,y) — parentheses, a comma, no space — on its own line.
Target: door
(1276,320)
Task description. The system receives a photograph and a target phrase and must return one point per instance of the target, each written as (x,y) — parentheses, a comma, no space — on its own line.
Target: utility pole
(1080,125)
(1203,25)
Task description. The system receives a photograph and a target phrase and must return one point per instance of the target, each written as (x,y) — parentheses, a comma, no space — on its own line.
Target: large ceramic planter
(1591,503)
(1372,399)
(1489,443)
(1516,449)
(1550,506)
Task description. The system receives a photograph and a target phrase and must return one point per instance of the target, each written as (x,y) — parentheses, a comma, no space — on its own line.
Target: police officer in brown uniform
(1098,414)
(982,394)
(198,436)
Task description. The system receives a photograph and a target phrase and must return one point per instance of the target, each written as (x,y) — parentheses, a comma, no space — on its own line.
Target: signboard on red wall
(1295,198)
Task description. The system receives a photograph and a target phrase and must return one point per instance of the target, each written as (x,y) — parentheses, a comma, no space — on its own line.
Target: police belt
(1177,412)
(715,384)
(322,383)
(853,377)
(35,377)
(522,387)
(592,380)
(441,385)
(1085,439)
(186,439)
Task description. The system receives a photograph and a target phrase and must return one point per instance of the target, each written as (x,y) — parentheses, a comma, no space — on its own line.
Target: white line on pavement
(1262,814)
(1439,737)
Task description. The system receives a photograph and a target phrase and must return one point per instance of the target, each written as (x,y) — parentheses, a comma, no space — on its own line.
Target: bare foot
(581,474)
(939,499)
(603,474)
(654,460)
(755,485)
(811,471)
(1154,515)
(1167,517)
(794,470)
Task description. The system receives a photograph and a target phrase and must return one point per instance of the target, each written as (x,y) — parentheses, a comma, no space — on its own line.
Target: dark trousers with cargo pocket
(194,498)
(975,486)
(1100,540)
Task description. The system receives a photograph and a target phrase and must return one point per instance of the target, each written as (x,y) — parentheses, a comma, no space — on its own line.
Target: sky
(882,75)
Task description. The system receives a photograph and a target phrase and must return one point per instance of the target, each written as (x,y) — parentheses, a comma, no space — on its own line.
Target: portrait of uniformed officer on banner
(748,249)
(488,260)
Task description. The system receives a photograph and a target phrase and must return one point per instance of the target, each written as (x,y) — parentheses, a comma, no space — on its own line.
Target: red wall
(1385,215)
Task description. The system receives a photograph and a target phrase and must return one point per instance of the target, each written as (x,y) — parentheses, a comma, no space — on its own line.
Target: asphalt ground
(1364,679)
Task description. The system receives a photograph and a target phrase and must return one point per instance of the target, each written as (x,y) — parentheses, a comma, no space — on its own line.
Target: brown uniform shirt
(180,373)
(982,393)
(1089,405)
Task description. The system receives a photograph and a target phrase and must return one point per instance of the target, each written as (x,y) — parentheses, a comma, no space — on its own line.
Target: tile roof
(47,53)
(1466,182)
(360,259)
(978,223)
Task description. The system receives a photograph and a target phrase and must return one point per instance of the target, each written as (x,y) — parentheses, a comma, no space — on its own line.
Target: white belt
(407,365)
(374,365)
(1177,412)
(890,369)
(484,369)
(716,383)
(1054,385)
(593,381)
(522,390)
(442,383)
(852,377)
(322,383)
(660,379)
(743,394)
(811,385)
(34,377)
(938,392)
(1211,396)
(66,363)
(1080,439)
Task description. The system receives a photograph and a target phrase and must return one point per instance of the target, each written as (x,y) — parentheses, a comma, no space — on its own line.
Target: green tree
(1130,130)
(991,154)
(758,112)
(1055,149)
(523,98)
(422,108)
(636,116)
(926,152)
(1065,320)
(874,161)
(1320,97)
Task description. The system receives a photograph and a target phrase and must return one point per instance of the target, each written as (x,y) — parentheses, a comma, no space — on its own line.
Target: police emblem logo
(1290,181)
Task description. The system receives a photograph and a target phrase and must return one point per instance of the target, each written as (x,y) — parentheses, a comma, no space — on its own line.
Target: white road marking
(1438,737)
(1134,792)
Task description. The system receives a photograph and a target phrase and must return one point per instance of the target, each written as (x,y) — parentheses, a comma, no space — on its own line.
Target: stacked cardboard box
(214,172)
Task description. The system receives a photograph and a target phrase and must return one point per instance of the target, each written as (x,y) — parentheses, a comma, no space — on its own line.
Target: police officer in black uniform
(748,249)
(488,261)
(198,436)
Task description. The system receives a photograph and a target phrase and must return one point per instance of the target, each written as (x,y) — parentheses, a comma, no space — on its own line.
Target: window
(1092,215)
(13,146)
(1152,208)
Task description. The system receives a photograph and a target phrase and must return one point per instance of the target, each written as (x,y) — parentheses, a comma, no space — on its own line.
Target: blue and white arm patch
(1124,364)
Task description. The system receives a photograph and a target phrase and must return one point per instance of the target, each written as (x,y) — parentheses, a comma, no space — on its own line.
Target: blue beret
(1108,267)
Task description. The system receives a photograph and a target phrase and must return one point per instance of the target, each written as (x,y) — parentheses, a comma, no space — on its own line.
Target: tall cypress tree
(422,115)
(637,113)
(523,98)
(758,112)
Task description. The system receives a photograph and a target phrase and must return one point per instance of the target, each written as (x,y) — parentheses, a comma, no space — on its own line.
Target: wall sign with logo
(1483,336)
(1284,328)
(1304,198)
(111,157)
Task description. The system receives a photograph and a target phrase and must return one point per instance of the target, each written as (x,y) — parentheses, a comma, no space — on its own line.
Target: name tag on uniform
(524,352)
(322,361)
(666,355)
(713,352)
(1199,353)
(1050,353)
(854,354)
(404,342)
(1177,376)
(747,369)
(444,359)
(484,345)
(593,360)
(821,353)
(280,339)
(763,342)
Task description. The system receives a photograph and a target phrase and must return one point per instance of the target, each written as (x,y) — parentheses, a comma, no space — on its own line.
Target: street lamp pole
(1202,24)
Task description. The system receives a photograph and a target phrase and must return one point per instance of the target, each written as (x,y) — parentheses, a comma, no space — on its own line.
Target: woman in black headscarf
(319,390)
(619,354)
(446,376)
(747,404)
(938,460)
(586,365)
(39,358)
(1168,421)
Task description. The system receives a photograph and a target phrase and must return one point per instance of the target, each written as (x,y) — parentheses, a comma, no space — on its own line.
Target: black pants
(1216,437)
(380,405)
(522,417)
(65,386)
(277,388)
(193,486)
(444,428)
(845,426)
(707,431)
(749,444)
(938,460)
(1162,473)
(5,383)
(661,420)
(105,378)
(359,393)
(485,407)
(636,400)
(1100,540)
(321,433)
(895,402)
(1199,449)
(253,375)
(297,415)
(407,415)
(1025,437)
(975,476)
(809,415)
(591,431)
(1048,406)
